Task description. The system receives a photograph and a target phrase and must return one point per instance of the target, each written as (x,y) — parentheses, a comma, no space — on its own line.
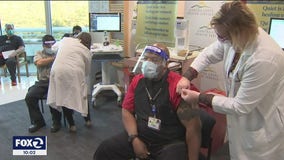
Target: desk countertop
(100,48)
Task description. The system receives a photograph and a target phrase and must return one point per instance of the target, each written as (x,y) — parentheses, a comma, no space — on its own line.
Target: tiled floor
(10,93)
(13,93)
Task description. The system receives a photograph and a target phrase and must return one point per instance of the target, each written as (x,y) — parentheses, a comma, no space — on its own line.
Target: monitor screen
(276,30)
(101,22)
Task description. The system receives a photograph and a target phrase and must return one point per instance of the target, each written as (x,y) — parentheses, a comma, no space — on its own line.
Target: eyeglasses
(222,38)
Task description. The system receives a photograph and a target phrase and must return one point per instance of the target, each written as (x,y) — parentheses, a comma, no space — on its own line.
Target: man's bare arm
(189,117)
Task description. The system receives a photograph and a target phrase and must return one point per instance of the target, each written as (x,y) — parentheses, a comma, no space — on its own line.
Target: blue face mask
(10,32)
(49,51)
(149,69)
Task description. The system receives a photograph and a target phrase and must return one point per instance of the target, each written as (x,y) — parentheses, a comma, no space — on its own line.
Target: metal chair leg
(64,119)
(41,102)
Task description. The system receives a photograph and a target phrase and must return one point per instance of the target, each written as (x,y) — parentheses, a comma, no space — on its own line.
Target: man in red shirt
(158,123)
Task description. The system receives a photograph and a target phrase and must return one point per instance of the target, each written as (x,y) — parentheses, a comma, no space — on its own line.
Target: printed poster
(264,10)
(156,22)
(199,14)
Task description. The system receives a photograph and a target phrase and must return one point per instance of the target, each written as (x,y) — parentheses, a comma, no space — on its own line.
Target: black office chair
(208,123)
(44,98)
(41,99)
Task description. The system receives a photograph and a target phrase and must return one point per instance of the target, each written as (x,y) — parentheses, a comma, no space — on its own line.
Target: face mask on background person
(49,51)
(10,32)
(75,34)
(149,69)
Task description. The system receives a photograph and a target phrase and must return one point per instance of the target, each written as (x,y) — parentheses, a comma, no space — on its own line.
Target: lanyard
(153,106)
(234,62)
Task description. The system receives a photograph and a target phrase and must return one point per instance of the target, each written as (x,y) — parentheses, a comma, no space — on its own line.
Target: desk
(105,54)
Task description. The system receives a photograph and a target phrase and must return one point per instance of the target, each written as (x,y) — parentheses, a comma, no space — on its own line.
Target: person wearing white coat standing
(68,78)
(253,67)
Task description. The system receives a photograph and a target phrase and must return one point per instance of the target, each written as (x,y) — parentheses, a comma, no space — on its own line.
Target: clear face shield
(49,43)
(149,49)
(48,47)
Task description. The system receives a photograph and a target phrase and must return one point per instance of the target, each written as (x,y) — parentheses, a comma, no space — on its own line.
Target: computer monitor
(105,22)
(276,30)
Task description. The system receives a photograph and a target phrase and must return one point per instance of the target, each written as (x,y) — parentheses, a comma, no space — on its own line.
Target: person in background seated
(68,78)
(75,31)
(9,42)
(253,65)
(43,61)
(158,123)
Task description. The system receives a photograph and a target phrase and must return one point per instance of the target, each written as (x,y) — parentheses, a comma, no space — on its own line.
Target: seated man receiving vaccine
(158,123)
(43,61)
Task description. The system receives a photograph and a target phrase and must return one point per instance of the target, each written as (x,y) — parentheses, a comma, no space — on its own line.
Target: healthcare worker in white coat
(254,73)
(68,77)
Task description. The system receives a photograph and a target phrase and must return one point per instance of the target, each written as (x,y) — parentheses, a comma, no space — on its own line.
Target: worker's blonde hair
(239,22)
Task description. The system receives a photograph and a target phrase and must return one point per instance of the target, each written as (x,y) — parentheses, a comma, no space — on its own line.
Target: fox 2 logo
(29,142)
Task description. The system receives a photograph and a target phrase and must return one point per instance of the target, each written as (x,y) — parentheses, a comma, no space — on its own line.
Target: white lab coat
(255,103)
(68,82)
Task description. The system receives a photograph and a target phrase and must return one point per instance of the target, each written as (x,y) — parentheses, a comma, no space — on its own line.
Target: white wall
(199,14)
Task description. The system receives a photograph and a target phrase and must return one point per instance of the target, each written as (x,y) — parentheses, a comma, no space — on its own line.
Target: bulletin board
(156,21)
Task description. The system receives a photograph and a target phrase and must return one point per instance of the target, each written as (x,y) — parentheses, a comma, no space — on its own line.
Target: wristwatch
(132,137)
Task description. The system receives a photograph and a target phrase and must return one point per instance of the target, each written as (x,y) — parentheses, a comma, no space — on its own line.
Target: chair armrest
(21,54)
(21,57)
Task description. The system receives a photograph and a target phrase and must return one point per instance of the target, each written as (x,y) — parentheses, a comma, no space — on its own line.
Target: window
(29,19)
(66,15)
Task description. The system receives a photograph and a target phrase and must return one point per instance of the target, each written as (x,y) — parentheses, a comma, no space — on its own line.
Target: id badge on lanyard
(153,122)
